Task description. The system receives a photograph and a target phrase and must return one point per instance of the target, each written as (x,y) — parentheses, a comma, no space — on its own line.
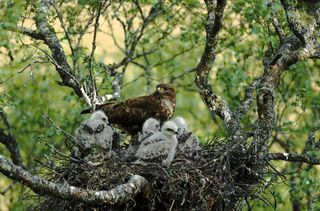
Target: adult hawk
(132,113)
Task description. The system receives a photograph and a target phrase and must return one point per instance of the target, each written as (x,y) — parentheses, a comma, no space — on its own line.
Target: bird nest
(223,175)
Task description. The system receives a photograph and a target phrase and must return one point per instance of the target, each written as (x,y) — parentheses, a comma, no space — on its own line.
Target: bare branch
(293,21)
(116,90)
(289,53)
(22,70)
(66,134)
(58,54)
(181,75)
(246,104)
(278,28)
(112,34)
(174,56)
(275,21)
(9,141)
(292,157)
(11,144)
(66,32)
(305,33)
(77,49)
(155,10)
(120,194)
(22,30)
(139,9)
(7,189)
(213,25)
(90,60)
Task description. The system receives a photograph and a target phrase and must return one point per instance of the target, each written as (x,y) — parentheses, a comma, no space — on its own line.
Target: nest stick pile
(219,179)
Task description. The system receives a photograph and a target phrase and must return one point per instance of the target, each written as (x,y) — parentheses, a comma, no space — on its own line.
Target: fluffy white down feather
(94,131)
(181,124)
(188,144)
(160,144)
(150,126)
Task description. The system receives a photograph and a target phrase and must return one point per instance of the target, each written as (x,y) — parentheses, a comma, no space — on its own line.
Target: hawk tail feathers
(88,110)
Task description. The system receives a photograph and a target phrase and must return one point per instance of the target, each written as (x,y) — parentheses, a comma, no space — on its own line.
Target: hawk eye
(169,129)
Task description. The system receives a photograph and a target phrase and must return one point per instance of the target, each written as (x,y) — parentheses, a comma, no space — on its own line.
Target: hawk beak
(160,90)
(176,132)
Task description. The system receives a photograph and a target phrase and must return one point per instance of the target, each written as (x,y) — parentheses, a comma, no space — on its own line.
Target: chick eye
(104,119)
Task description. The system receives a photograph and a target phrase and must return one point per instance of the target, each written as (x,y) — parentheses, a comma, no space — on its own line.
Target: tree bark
(118,195)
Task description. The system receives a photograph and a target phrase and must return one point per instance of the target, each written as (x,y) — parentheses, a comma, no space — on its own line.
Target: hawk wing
(132,113)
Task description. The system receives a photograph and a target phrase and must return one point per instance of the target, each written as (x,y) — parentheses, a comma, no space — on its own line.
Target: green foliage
(94,3)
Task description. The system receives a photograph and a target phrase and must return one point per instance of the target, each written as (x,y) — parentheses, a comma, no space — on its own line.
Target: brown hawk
(132,113)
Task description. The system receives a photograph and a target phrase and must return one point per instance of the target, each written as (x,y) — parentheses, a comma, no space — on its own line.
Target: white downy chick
(160,144)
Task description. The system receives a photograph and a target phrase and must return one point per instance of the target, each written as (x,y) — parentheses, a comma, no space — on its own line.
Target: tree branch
(118,195)
(94,91)
(22,30)
(293,21)
(249,98)
(289,53)
(10,142)
(213,25)
(65,29)
(58,54)
(292,157)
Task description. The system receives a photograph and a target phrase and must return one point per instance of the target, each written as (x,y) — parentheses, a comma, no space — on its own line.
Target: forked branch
(118,195)
(215,9)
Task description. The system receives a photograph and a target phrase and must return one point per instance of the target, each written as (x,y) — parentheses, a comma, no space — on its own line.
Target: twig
(292,157)
(51,40)
(6,189)
(94,91)
(59,129)
(21,71)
